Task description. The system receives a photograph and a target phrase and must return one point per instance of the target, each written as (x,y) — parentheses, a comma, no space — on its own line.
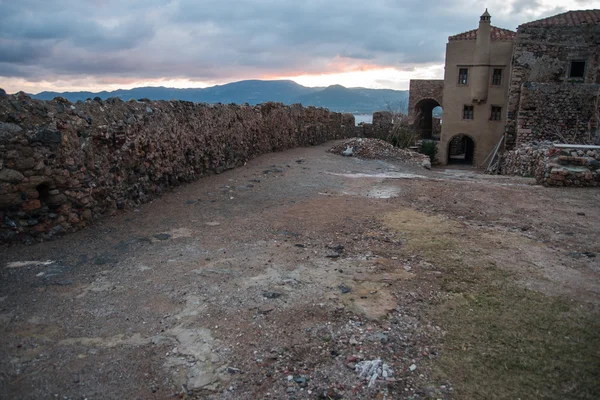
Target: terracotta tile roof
(569,18)
(496,33)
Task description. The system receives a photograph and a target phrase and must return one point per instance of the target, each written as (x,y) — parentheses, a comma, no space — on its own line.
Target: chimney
(481,59)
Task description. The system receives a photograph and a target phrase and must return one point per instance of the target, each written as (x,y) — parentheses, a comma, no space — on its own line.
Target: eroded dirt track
(274,280)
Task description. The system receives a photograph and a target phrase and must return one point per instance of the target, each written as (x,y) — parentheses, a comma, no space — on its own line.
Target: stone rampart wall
(382,125)
(63,165)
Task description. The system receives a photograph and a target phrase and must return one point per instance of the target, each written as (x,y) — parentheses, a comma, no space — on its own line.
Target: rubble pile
(379,150)
(65,164)
(371,370)
(526,160)
(554,165)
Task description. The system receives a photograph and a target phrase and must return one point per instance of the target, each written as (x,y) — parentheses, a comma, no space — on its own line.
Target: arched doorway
(461,150)
(428,119)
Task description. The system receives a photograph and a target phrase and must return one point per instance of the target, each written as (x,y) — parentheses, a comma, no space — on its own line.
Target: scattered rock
(162,236)
(272,171)
(373,370)
(344,289)
(580,254)
(271,295)
(302,381)
(337,248)
(265,309)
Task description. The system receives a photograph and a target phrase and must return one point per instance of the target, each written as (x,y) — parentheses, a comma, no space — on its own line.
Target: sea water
(358,118)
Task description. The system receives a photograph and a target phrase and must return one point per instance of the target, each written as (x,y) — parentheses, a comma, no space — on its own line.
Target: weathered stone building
(424,97)
(539,83)
(554,79)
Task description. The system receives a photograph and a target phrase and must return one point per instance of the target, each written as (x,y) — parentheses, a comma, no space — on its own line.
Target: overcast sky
(109,44)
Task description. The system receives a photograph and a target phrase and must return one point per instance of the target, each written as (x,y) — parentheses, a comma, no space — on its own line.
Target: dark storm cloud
(22,52)
(226,39)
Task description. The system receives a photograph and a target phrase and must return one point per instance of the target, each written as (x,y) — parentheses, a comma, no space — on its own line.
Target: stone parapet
(63,165)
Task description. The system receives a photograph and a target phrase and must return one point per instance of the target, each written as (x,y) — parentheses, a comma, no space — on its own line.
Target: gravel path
(275,280)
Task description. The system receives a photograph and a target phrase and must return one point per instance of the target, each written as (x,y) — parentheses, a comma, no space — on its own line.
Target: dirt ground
(277,279)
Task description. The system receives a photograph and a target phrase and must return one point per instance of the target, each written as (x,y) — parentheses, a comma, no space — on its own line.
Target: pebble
(271,295)
(344,289)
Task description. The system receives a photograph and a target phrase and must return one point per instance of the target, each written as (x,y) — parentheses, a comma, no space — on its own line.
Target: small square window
(468,112)
(463,76)
(577,69)
(496,114)
(497,77)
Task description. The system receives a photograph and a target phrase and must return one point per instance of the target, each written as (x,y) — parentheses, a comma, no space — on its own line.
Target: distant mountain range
(336,98)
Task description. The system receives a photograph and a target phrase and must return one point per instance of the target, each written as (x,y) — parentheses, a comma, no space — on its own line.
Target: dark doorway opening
(461,150)
(44,192)
(428,119)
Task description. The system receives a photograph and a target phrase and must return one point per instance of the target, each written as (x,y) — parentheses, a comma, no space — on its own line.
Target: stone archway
(427,122)
(461,150)
(425,95)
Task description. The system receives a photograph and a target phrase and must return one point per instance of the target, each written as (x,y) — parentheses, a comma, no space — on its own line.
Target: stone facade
(544,52)
(424,97)
(424,89)
(64,165)
(566,112)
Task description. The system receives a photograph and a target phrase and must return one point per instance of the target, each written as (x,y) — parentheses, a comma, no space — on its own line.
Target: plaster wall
(484,132)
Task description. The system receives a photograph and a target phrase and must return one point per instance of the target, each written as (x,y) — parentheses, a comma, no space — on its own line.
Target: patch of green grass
(501,340)
(504,341)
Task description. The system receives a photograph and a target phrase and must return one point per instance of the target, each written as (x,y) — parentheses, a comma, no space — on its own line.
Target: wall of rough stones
(382,125)
(364,129)
(421,89)
(543,54)
(567,112)
(63,165)
(554,166)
